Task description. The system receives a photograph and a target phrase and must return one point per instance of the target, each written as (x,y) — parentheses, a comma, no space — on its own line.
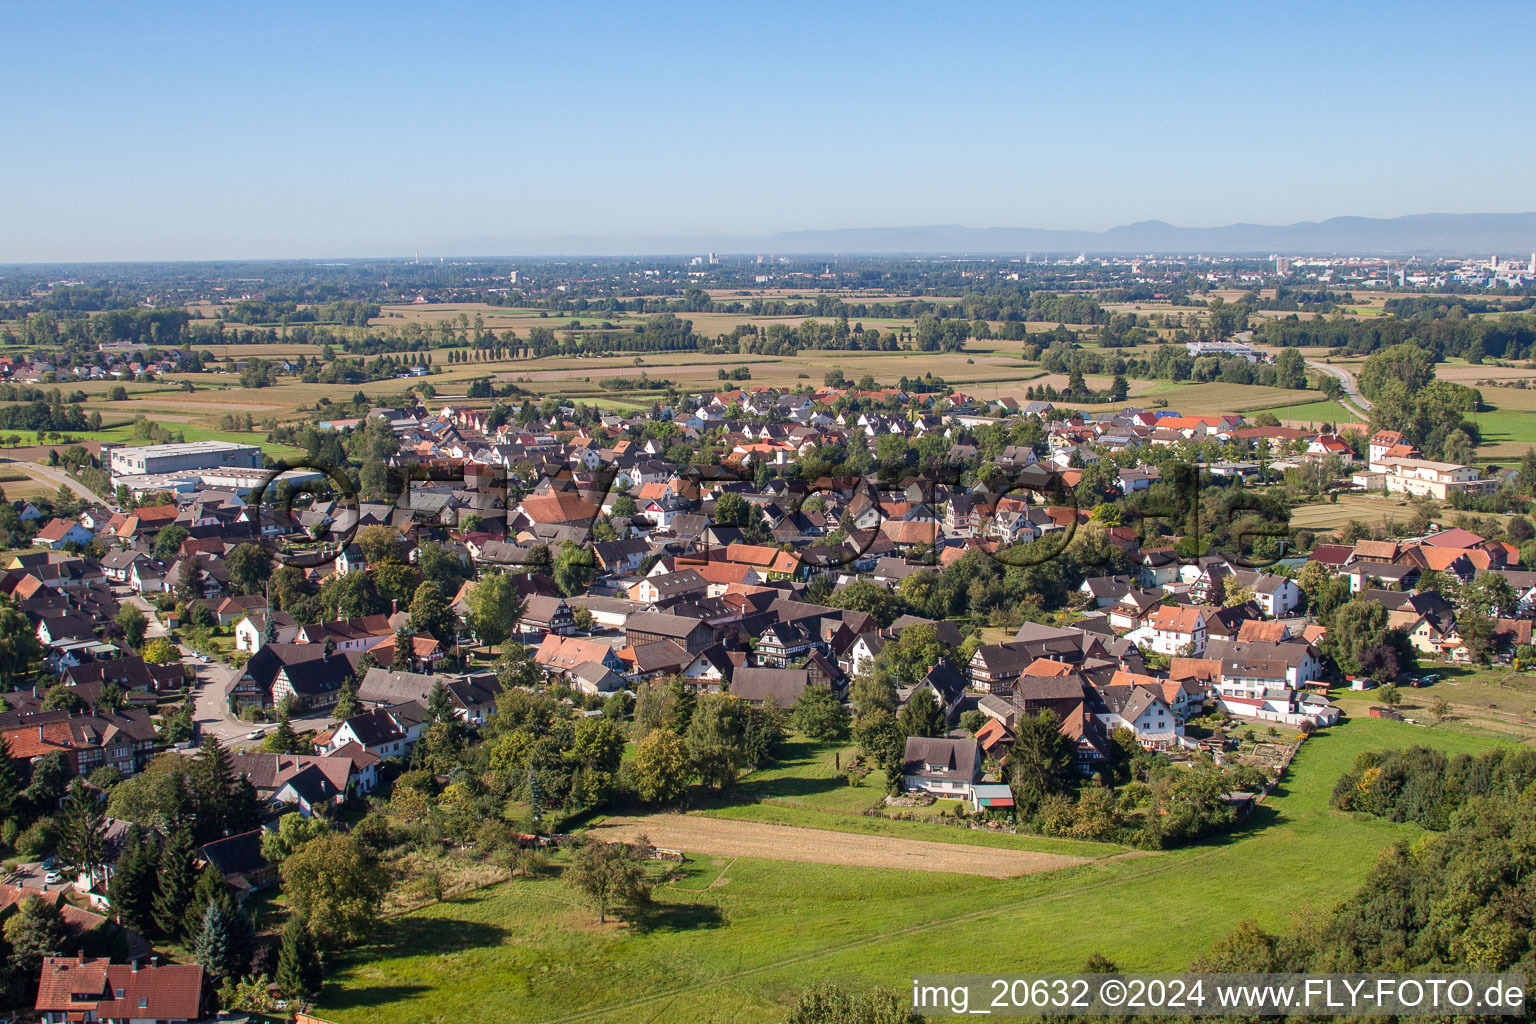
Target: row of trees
(1423,786)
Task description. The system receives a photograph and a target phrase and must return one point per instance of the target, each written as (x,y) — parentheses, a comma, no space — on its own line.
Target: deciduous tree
(661,767)
(611,875)
(338,885)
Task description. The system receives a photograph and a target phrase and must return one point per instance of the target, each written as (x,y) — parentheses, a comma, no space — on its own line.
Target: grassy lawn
(1497,699)
(1315,412)
(1507,429)
(738,941)
(782,814)
(804,789)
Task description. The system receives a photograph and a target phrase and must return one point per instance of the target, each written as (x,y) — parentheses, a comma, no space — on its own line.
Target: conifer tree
(225,938)
(214,780)
(82,840)
(209,887)
(135,883)
(347,703)
(176,883)
(10,780)
(298,962)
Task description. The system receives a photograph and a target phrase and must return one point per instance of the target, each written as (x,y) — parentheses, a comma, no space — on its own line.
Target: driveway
(31,875)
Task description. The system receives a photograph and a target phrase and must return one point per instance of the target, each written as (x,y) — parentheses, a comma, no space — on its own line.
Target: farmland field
(1316,414)
(736,939)
(1509,426)
(1370,510)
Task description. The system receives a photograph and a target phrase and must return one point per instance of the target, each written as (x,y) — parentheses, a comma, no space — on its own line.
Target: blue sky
(197,130)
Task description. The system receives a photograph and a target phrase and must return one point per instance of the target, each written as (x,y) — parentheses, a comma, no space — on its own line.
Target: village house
(942,766)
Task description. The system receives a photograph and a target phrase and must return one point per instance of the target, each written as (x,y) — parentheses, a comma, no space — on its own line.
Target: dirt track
(727,837)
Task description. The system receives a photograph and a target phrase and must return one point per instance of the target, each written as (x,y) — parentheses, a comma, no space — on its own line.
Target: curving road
(48,474)
(1353,400)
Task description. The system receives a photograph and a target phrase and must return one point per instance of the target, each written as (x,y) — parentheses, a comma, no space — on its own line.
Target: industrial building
(174,458)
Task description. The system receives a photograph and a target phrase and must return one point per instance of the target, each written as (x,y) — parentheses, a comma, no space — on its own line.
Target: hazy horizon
(179,131)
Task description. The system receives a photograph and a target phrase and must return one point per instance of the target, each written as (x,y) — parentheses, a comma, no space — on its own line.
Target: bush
(39,839)
(530,863)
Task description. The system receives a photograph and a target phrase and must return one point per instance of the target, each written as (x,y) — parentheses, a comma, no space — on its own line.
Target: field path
(728,837)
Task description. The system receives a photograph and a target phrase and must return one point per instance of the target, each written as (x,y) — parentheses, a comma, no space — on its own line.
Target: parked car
(52,878)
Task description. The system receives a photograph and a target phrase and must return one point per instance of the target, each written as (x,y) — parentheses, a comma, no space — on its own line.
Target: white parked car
(52,878)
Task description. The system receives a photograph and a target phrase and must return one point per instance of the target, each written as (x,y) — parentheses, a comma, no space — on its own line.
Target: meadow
(1496,699)
(804,788)
(738,941)
(1315,414)
(1371,510)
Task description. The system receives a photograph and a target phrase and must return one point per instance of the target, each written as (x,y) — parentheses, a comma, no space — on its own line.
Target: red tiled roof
(172,992)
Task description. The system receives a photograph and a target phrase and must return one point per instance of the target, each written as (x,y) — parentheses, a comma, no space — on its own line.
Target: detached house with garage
(545,615)
(942,766)
(1141,709)
(1276,596)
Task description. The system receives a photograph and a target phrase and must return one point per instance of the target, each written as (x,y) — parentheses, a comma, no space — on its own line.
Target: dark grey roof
(783,685)
(953,760)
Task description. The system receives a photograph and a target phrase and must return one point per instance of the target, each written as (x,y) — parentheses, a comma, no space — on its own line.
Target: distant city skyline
(182,131)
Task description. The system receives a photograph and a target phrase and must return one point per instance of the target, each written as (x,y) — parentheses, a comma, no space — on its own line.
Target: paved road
(1354,401)
(55,476)
(210,709)
(210,712)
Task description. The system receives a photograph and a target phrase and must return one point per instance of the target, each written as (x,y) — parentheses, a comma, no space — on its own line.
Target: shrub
(39,839)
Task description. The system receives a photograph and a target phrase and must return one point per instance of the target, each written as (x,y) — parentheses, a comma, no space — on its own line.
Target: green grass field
(1496,699)
(803,789)
(1507,432)
(1315,412)
(738,941)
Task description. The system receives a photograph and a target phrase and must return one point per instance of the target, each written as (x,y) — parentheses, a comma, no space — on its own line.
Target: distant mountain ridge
(1427,233)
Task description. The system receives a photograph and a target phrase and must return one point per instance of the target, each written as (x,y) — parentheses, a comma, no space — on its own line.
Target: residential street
(211,712)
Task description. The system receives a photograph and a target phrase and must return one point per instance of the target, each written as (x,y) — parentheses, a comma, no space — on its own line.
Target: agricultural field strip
(734,837)
(992,911)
